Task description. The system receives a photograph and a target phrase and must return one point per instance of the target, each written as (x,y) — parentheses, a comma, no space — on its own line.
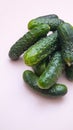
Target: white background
(20,107)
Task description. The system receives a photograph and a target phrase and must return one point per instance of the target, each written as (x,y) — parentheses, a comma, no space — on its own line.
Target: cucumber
(52,20)
(31,23)
(52,72)
(41,49)
(31,79)
(58,90)
(65,31)
(69,72)
(40,67)
(27,40)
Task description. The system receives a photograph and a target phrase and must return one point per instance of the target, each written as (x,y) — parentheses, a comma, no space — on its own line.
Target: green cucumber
(27,40)
(52,72)
(40,67)
(69,72)
(58,90)
(41,49)
(52,20)
(65,31)
(31,79)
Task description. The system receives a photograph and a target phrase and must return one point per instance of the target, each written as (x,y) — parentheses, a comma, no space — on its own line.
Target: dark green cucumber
(69,72)
(65,31)
(51,20)
(41,49)
(31,79)
(58,90)
(40,67)
(52,72)
(32,23)
(27,40)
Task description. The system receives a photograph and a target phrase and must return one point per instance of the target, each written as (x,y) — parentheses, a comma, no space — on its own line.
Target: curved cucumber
(65,31)
(41,49)
(27,40)
(51,20)
(52,72)
(69,72)
(31,79)
(58,90)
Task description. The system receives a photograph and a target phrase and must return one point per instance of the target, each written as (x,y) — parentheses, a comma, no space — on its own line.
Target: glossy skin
(41,49)
(40,67)
(51,20)
(27,40)
(56,90)
(66,38)
(52,72)
(69,72)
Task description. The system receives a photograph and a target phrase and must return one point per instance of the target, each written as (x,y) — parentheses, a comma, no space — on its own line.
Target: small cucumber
(31,79)
(51,20)
(27,40)
(69,72)
(65,31)
(52,72)
(41,49)
(31,23)
(58,90)
(40,67)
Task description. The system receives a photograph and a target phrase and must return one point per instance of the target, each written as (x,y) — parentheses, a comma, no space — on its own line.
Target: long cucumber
(41,49)
(27,40)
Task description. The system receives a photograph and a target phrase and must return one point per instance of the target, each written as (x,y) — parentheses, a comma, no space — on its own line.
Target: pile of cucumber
(49,55)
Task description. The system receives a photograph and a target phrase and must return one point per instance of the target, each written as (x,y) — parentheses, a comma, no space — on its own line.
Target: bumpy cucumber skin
(32,23)
(52,72)
(58,90)
(65,31)
(31,79)
(69,72)
(40,67)
(53,22)
(27,40)
(47,16)
(41,49)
